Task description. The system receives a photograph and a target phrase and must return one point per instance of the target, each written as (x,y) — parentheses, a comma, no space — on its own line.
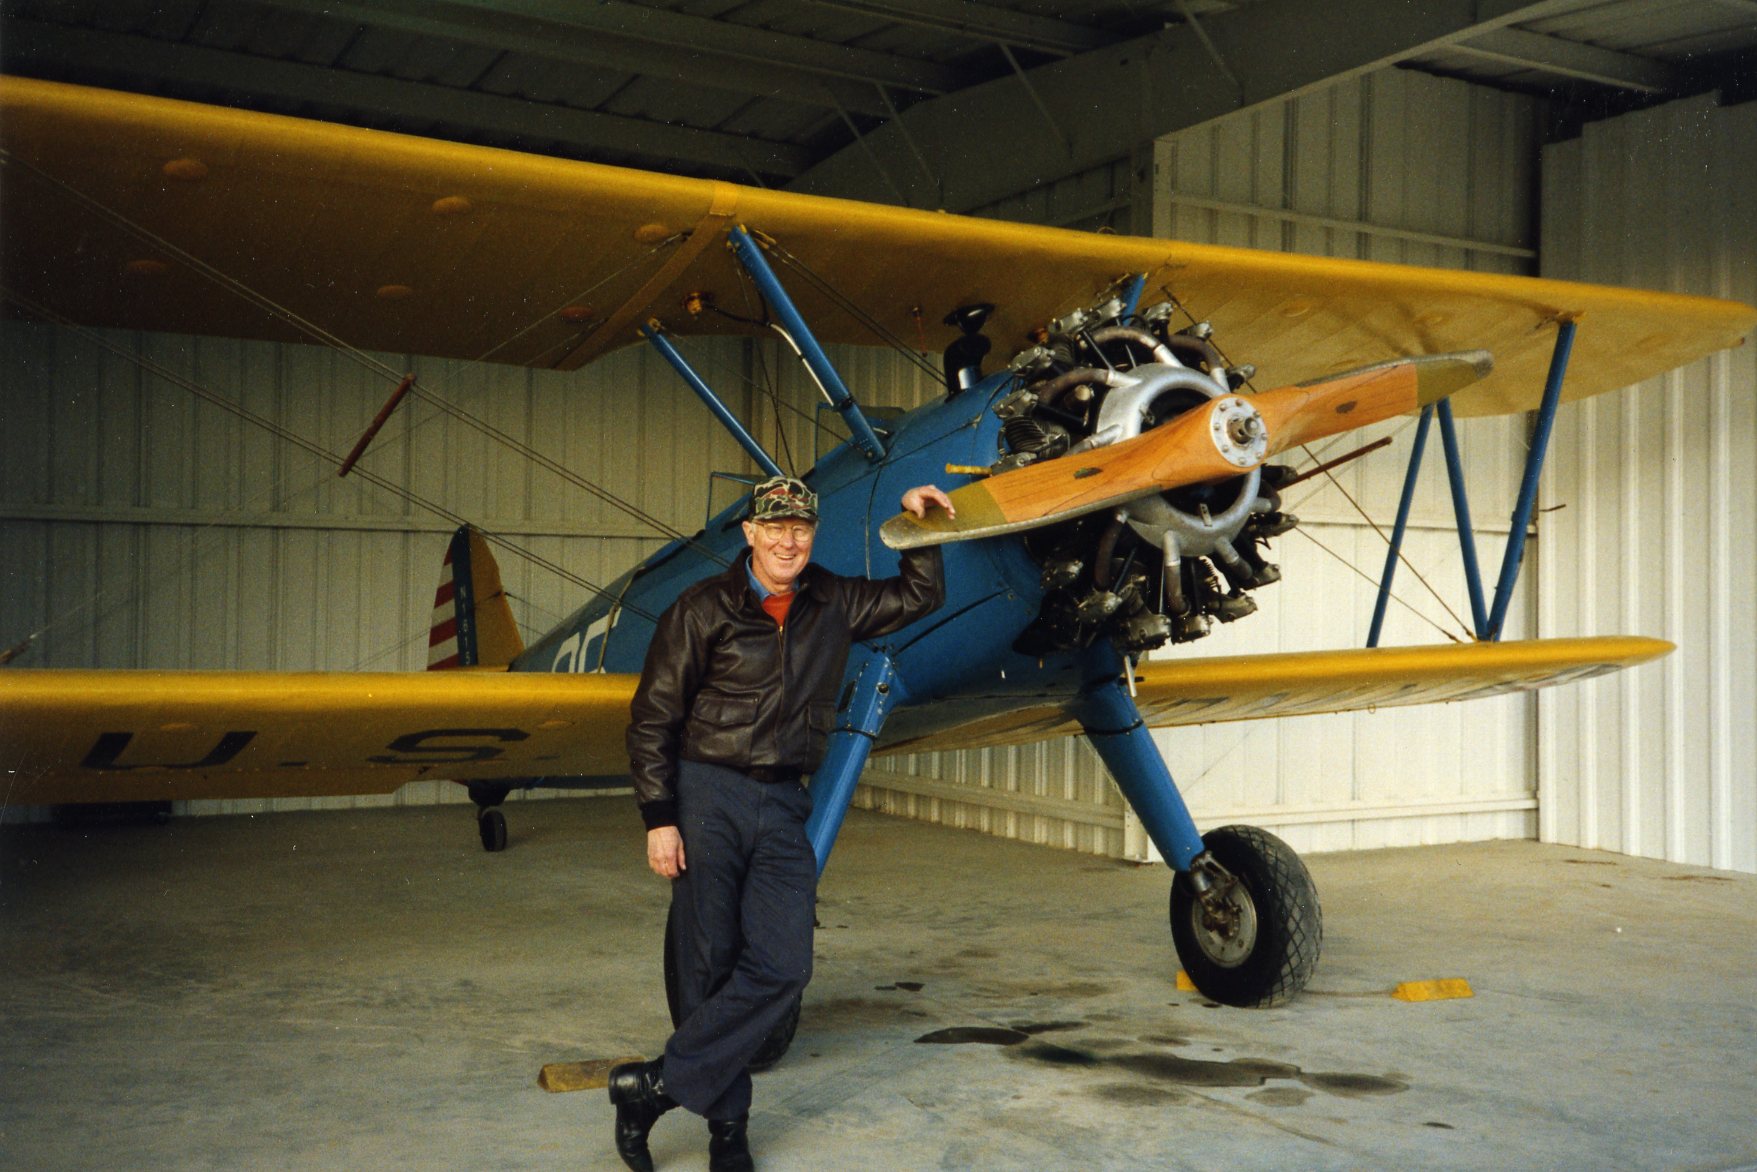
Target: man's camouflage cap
(782,497)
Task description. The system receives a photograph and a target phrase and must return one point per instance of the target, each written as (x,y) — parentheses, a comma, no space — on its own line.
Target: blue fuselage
(955,665)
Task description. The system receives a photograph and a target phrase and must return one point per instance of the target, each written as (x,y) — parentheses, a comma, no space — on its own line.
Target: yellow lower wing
(129,736)
(1252,687)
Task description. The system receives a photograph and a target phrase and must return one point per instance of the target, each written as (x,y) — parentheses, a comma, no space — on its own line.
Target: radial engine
(1164,567)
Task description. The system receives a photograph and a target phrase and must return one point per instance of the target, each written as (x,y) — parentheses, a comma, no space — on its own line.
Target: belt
(772,774)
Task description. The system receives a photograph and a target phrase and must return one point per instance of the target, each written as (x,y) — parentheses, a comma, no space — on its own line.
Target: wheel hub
(1226,933)
(1223,917)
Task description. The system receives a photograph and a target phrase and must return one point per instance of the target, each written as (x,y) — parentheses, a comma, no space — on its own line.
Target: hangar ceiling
(925,102)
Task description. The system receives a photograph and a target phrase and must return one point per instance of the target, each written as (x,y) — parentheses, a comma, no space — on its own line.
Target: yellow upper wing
(407,244)
(1251,687)
(130,736)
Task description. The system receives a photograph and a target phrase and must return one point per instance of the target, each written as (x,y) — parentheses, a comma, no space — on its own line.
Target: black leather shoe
(729,1145)
(638,1091)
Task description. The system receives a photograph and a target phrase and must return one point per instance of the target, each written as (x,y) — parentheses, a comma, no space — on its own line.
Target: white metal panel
(1403,167)
(148,528)
(1395,166)
(1655,507)
(1114,197)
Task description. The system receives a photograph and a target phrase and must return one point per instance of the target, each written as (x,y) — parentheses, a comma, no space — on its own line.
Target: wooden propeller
(1224,437)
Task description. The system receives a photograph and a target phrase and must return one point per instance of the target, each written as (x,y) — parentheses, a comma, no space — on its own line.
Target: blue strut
(1479,614)
(1488,622)
(1132,293)
(1540,442)
(1402,526)
(706,393)
(875,691)
(750,255)
(1114,725)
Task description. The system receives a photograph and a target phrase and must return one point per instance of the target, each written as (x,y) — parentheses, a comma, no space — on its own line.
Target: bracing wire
(309,446)
(710,363)
(1402,558)
(1366,577)
(421,392)
(767,385)
(848,306)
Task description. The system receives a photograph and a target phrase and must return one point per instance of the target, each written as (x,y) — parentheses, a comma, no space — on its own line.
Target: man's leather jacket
(725,686)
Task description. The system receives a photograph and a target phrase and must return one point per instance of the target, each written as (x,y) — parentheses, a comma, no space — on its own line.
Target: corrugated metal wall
(1397,166)
(1655,492)
(146,527)
(1116,197)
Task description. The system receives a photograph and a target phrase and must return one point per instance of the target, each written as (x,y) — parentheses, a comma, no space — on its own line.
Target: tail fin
(472,623)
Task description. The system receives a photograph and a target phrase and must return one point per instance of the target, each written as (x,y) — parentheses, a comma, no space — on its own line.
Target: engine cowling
(1162,568)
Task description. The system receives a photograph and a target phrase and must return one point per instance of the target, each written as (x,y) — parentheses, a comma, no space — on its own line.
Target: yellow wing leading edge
(1208,690)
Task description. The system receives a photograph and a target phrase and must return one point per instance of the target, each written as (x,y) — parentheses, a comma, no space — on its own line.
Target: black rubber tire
(491,825)
(774,1047)
(1289,926)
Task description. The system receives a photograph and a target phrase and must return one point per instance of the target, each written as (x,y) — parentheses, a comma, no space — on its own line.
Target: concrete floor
(369,989)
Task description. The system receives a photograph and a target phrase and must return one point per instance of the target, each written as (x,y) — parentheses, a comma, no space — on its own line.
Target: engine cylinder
(1161,566)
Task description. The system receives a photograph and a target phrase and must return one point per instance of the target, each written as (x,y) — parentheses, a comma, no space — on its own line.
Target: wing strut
(1488,625)
(750,255)
(652,333)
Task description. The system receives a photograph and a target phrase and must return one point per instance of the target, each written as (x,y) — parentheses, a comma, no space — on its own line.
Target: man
(734,707)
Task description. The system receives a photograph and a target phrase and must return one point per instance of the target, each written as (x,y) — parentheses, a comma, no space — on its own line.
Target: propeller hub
(1239,433)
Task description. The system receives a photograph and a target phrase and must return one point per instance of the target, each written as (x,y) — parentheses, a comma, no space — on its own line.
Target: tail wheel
(491,826)
(1253,941)
(774,1046)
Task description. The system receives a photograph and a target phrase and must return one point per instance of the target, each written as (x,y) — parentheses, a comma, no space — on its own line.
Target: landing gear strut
(490,822)
(1244,912)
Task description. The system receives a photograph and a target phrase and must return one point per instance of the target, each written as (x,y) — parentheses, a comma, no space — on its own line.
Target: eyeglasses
(774,531)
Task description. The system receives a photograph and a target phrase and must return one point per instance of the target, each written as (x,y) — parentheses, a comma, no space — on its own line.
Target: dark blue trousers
(741,920)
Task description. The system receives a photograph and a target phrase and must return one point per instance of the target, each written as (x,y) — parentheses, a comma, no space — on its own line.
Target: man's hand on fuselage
(916,501)
(665,851)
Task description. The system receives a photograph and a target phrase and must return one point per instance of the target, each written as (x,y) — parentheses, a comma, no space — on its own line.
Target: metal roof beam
(506,32)
(1572,59)
(727,40)
(986,144)
(37,47)
(983,22)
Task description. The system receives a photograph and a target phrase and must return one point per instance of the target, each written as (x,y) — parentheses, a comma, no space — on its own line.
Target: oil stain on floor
(974,1035)
(1159,1075)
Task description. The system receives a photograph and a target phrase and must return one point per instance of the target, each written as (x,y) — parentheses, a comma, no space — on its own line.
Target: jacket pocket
(725,711)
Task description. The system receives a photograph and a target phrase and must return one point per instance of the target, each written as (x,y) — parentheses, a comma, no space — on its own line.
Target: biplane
(1116,473)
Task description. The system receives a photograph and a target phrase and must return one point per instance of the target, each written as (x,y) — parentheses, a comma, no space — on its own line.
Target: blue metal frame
(1132,293)
(1397,531)
(1461,510)
(1522,510)
(1113,724)
(750,255)
(706,393)
(1488,622)
(874,692)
